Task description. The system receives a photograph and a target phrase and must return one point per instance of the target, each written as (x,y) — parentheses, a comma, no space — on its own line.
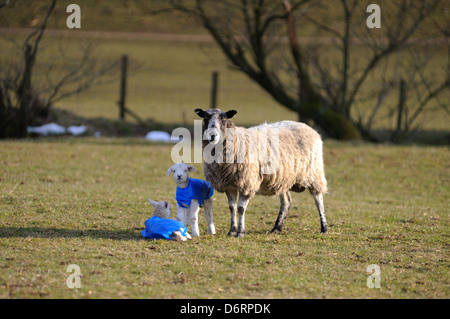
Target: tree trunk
(310,104)
(332,123)
(24,94)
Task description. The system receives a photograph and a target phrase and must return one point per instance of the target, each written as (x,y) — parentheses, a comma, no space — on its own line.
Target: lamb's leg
(232,203)
(242,206)
(193,217)
(285,200)
(208,207)
(182,215)
(318,198)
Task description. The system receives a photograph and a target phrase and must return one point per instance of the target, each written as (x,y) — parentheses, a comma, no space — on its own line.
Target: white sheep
(191,194)
(295,153)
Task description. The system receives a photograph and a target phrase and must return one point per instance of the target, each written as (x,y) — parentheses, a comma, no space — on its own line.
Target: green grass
(82,201)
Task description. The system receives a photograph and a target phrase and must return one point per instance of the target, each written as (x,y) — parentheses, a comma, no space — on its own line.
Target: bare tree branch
(299,76)
(4,4)
(21,102)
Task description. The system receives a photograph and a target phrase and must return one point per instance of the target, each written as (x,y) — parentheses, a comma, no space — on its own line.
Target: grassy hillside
(133,16)
(97,15)
(167,80)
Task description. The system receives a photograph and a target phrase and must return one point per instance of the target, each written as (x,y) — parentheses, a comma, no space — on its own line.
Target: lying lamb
(191,194)
(159,226)
(299,164)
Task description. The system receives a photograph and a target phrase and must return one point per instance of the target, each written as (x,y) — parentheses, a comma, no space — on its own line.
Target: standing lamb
(191,194)
(299,164)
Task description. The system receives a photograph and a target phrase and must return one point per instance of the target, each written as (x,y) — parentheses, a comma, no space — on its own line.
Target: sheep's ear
(191,168)
(200,112)
(152,202)
(170,170)
(230,113)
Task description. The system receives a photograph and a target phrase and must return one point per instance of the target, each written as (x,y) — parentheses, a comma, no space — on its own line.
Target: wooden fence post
(215,76)
(401,105)
(123,86)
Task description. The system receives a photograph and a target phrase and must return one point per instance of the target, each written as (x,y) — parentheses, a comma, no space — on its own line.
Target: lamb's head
(180,172)
(160,209)
(215,121)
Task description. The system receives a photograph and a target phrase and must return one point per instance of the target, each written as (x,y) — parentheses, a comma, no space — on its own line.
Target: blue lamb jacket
(159,228)
(197,189)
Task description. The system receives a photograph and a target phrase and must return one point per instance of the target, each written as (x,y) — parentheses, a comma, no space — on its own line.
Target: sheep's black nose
(179,176)
(213,137)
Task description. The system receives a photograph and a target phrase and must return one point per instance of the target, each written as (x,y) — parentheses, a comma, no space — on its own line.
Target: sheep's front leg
(232,203)
(285,201)
(208,207)
(242,206)
(193,217)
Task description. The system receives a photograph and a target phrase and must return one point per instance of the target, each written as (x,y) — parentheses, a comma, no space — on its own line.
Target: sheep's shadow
(43,232)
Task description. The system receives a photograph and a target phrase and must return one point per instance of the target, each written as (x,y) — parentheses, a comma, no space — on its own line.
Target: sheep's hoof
(232,233)
(324,229)
(240,235)
(212,230)
(276,230)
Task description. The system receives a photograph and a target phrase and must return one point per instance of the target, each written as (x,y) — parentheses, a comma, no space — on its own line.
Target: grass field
(82,201)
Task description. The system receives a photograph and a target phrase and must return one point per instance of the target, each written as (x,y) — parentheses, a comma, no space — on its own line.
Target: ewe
(238,160)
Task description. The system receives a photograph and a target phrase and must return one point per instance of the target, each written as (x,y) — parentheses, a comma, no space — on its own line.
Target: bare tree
(4,3)
(409,30)
(21,101)
(25,95)
(260,38)
(418,89)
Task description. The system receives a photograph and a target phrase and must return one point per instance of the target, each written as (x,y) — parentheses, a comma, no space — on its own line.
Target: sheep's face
(180,172)
(215,122)
(160,209)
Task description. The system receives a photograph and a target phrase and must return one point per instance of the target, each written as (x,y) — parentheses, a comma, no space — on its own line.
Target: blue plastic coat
(160,228)
(197,189)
